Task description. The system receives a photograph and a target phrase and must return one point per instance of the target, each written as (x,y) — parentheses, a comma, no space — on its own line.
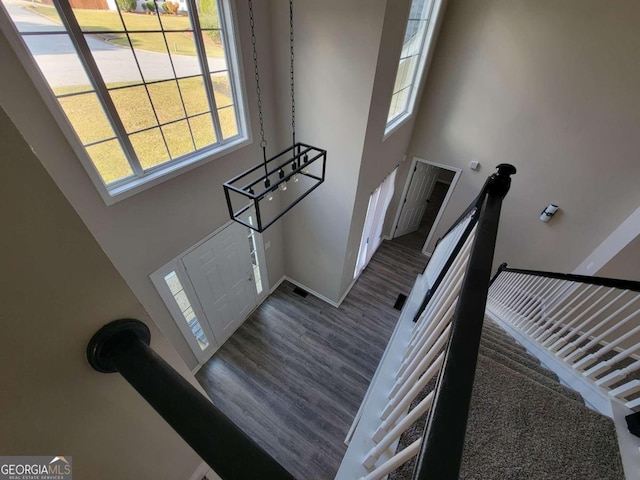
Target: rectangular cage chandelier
(261,195)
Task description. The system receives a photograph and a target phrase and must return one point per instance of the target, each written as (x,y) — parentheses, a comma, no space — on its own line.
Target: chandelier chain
(263,142)
(293,97)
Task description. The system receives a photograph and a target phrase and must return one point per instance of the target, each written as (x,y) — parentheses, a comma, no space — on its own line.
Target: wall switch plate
(474,164)
(267,245)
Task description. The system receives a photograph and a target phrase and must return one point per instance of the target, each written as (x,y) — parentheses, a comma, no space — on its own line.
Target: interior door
(221,273)
(415,203)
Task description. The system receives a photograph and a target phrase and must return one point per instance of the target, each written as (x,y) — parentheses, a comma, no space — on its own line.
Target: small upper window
(147,86)
(417,38)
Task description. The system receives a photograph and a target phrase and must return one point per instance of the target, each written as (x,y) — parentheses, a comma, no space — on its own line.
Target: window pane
(178,138)
(117,65)
(110,161)
(413,37)
(215,50)
(222,89)
(394,109)
(202,129)
(228,124)
(174,21)
(142,20)
(147,47)
(183,54)
(166,101)
(85,113)
(406,73)
(134,108)
(150,148)
(34,17)
(194,95)
(59,63)
(98,20)
(184,305)
(208,14)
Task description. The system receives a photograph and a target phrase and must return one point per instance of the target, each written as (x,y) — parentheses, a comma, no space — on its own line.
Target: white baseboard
(278,283)
(202,471)
(196,368)
(312,292)
(344,295)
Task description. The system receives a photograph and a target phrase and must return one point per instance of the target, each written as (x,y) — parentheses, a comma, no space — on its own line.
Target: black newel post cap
(111,339)
(500,182)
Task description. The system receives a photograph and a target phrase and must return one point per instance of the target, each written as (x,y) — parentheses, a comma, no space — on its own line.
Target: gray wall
(346,61)
(143,232)
(625,265)
(551,87)
(57,288)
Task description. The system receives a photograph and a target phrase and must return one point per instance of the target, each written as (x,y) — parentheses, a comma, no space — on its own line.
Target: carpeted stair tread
(523,358)
(532,375)
(519,429)
(524,424)
(512,344)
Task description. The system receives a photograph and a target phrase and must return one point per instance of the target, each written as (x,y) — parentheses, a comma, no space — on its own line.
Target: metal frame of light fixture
(290,163)
(300,157)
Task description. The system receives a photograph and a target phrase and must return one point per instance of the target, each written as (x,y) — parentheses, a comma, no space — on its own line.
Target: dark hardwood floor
(294,374)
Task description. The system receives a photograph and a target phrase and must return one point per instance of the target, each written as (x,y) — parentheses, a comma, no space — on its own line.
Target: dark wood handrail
(603,281)
(443,440)
(123,346)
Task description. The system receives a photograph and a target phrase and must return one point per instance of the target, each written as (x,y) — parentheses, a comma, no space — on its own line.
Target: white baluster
(589,359)
(399,429)
(618,375)
(553,337)
(404,403)
(574,356)
(394,462)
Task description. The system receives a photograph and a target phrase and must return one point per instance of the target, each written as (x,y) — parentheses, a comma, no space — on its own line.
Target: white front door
(415,203)
(221,273)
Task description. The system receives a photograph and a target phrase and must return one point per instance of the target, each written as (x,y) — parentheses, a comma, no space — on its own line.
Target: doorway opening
(426,193)
(376,211)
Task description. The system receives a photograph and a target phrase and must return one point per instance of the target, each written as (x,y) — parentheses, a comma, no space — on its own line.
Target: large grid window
(144,85)
(412,60)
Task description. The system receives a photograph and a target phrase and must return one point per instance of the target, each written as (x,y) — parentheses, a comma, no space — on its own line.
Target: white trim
(204,470)
(629,444)
(344,295)
(275,287)
(311,291)
(195,369)
(426,54)
(445,201)
(176,264)
(624,234)
(126,188)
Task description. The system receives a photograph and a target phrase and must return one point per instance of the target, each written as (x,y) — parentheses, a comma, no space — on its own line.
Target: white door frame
(457,172)
(175,264)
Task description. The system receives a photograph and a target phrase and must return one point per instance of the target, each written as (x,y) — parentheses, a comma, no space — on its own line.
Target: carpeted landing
(523,424)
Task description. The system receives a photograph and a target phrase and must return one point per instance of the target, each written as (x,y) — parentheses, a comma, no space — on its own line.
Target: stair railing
(123,346)
(442,348)
(589,324)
